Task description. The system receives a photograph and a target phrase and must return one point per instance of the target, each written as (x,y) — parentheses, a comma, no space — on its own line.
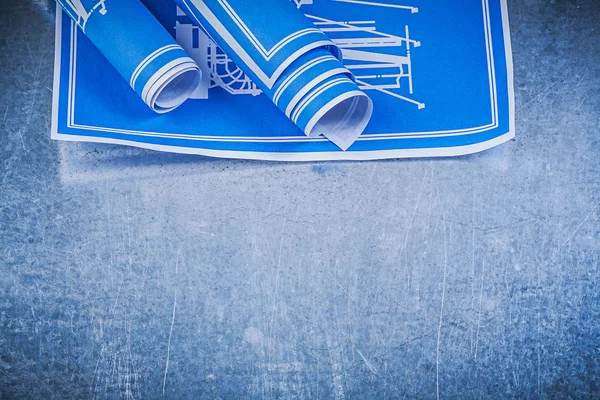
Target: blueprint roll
(139,48)
(295,64)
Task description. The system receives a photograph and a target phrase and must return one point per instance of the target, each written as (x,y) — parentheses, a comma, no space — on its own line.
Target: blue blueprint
(143,52)
(439,74)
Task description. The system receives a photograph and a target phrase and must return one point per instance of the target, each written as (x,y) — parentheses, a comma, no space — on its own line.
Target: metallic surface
(132,274)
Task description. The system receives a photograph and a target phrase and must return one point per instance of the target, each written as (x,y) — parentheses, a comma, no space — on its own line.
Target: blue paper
(292,56)
(439,74)
(139,48)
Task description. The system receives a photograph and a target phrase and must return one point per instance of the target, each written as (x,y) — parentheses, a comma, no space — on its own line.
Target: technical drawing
(83,13)
(363,49)
(380,61)
(217,69)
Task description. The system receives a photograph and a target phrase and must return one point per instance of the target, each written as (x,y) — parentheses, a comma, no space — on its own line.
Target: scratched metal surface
(132,274)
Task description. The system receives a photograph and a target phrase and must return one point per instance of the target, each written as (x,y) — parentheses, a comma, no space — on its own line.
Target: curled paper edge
(340,115)
(172,85)
(343,119)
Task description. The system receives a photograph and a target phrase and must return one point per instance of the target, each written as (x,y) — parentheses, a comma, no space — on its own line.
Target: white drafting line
(288,81)
(365,86)
(373,59)
(325,21)
(219,27)
(151,57)
(311,85)
(305,103)
(212,19)
(69,11)
(78,7)
(219,69)
(509,67)
(351,23)
(258,139)
(385,61)
(490,58)
(368,57)
(294,56)
(300,3)
(82,12)
(73,74)
(273,139)
(233,81)
(267,54)
(369,137)
(413,10)
(249,139)
(56,81)
(316,93)
(366,155)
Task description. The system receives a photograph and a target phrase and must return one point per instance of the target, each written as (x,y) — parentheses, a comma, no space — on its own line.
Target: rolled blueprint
(295,64)
(140,49)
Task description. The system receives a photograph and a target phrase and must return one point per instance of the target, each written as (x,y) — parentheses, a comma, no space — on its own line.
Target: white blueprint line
(257,139)
(303,156)
(151,57)
(456,132)
(269,81)
(306,102)
(72,76)
(267,54)
(311,86)
(235,46)
(371,3)
(290,79)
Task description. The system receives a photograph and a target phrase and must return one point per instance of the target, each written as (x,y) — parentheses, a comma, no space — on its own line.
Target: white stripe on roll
(302,106)
(151,57)
(288,81)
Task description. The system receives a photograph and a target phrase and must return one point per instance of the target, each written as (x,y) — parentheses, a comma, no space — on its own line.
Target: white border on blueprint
(56,82)
(254,139)
(509,69)
(299,157)
(302,156)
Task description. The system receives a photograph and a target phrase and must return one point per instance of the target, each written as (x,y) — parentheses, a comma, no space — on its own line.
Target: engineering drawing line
(300,3)
(82,12)
(413,10)
(366,53)
(217,69)
(374,70)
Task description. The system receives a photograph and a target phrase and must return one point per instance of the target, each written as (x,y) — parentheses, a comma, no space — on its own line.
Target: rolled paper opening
(343,119)
(172,85)
(321,97)
(178,89)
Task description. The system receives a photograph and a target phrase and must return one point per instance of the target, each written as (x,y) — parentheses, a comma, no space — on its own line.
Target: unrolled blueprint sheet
(439,74)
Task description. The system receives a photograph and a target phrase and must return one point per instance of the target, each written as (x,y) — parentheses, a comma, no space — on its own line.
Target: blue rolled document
(139,48)
(295,64)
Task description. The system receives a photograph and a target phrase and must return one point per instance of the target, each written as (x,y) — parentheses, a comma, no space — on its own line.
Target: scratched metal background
(132,274)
